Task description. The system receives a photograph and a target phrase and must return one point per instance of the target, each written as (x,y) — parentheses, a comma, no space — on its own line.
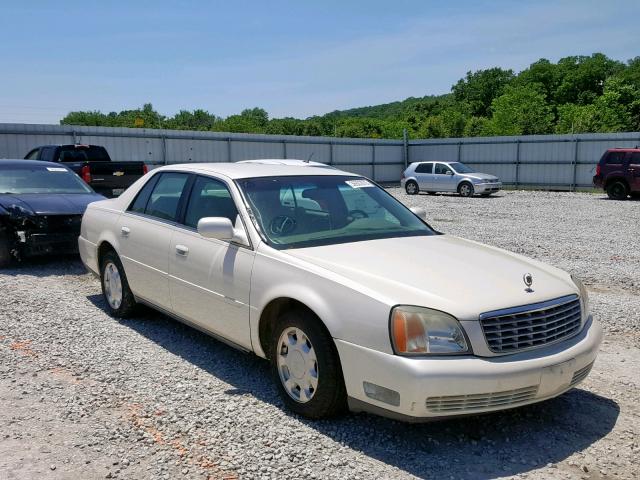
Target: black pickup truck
(93,164)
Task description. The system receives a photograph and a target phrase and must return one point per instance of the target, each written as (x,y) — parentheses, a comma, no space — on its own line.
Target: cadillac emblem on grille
(528,281)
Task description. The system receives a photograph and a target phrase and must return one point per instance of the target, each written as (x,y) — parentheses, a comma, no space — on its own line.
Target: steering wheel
(357,214)
(282,225)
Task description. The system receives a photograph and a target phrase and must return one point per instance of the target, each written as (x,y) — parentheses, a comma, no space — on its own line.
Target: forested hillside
(578,94)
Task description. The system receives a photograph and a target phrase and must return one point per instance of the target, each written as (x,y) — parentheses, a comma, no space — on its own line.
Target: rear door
(613,164)
(145,231)
(633,171)
(424,175)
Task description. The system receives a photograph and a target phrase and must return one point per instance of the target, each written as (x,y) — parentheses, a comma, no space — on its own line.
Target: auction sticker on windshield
(56,169)
(359,183)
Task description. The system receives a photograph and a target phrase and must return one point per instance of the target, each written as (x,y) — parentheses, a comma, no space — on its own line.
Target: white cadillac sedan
(356,302)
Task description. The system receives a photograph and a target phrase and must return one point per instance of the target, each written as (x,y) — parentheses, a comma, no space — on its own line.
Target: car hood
(461,277)
(480,176)
(49,204)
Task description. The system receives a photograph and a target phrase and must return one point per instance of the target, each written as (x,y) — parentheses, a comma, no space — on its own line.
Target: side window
(209,198)
(634,159)
(614,158)
(442,169)
(424,168)
(140,203)
(165,197)
(33,154)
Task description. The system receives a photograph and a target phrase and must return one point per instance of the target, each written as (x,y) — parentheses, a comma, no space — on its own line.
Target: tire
(617,190)
(5,250)
(119,299)
(316,391)
(411,188)
(465,189)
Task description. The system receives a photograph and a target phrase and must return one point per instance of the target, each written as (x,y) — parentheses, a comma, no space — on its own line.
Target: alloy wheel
(297,365)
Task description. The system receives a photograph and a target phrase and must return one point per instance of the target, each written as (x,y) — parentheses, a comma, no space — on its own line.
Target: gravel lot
(85,396)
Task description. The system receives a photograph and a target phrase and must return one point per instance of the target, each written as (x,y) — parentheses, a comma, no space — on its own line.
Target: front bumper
(36,244)
(441,387)
(487,187)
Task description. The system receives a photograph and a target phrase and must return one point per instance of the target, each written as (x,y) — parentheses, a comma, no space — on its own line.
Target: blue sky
(292,58)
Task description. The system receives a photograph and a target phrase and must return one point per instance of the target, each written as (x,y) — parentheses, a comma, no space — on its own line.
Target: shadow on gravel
(474,447)
(46,266)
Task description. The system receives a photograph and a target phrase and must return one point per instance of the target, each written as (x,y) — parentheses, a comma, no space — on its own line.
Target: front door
(209,278)
(444,180)
(145,231)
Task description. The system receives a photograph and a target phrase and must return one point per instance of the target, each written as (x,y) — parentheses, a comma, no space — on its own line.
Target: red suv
(618,172)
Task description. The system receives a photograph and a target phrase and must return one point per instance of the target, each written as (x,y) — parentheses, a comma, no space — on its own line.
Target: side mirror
(420,212)
(449,172)
(216,227)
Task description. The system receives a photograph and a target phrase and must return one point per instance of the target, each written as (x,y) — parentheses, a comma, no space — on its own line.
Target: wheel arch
(272,311)
(616,178)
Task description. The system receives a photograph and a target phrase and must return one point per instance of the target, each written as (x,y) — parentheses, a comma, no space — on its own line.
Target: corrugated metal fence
(547,161)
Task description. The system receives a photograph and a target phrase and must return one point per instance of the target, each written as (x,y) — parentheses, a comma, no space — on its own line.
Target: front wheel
(617,190)
(465,189)
(115,288)
(411,188)
(306,367)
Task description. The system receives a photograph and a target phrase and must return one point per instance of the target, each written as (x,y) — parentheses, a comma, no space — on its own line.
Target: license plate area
(556,378)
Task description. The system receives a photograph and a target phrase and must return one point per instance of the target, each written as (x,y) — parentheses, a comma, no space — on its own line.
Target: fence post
(284,147)
(330,153)
(164,149)
(575,165)
(405,148)
(373,162)
(229,149)
(459,152)
(75,137)
(517,163)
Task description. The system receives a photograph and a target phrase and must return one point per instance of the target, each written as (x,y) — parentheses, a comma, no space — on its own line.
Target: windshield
(306,211)
(461,168)
(21,180)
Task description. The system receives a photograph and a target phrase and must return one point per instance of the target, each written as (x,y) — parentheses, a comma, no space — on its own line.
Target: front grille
(529,326)
(581,374)
(479,401)
(60,223)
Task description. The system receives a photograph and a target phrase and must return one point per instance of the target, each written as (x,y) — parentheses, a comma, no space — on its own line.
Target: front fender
(348,313)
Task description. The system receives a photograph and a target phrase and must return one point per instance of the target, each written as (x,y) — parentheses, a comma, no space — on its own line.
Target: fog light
(381,394)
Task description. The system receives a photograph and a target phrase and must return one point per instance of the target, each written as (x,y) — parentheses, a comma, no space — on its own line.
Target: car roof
(254,169)
(34,163)
(624,149)
(285,161)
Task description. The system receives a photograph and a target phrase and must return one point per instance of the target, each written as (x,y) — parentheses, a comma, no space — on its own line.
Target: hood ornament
(527,278)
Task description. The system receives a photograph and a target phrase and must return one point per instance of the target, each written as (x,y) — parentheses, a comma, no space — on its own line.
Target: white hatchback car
(308,268)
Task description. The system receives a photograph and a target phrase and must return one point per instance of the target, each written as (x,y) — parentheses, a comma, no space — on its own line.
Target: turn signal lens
(422,331)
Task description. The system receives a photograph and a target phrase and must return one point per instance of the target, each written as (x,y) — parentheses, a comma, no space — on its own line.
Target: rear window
(75,153)
(614,158)
(424,168)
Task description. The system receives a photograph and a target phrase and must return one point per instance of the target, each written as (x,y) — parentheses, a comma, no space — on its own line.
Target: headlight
(584,297)
(422,331)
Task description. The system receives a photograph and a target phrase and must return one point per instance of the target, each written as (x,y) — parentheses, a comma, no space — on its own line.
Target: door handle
(125,231)
(182,250)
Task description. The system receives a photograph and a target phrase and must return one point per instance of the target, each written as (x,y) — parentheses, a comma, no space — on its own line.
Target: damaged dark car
(41,207)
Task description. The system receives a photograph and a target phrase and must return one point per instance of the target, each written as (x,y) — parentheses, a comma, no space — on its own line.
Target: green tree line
(578,94)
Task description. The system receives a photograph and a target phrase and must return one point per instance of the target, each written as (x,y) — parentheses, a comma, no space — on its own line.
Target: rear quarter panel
(97,227)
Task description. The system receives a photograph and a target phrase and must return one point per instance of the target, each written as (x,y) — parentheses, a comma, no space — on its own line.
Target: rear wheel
(115,288)
(306,367)
(617,190)
(5,250)
(465,189)
(411,188)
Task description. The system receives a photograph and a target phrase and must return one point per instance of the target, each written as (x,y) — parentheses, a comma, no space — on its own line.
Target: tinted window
(75,153)
(614,158)
(209,198)
(442,169)
(140,203)
(30,179)
(424,168)
(165,196)
(635,158)
(32,155)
